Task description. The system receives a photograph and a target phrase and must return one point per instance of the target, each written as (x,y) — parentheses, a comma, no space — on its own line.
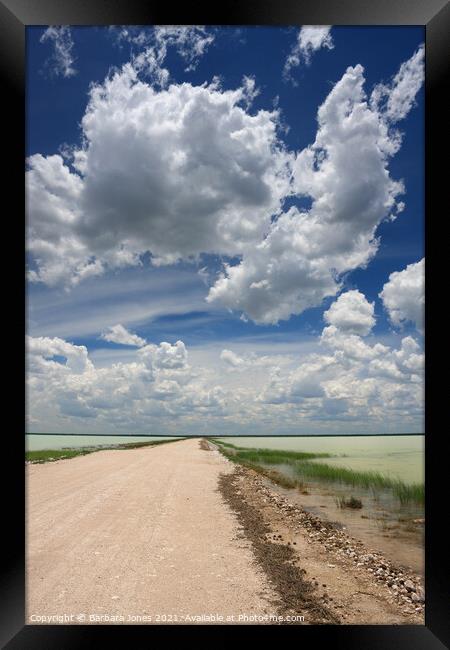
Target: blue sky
(183,185)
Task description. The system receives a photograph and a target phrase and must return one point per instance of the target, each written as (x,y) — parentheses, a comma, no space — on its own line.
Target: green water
(35,442)
(396,456)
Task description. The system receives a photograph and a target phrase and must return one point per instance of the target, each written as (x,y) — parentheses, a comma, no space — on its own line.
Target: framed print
(228,245)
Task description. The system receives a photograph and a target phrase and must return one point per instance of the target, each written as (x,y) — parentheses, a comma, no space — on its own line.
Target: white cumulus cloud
(351,313)
(310,38)
(187,170)
(396,99)
(119,334)
(403,295)
(345,174)
(42,351)
(165,355)
(157,386)
(353,381)
(176,172)
(360,382)
(232,359)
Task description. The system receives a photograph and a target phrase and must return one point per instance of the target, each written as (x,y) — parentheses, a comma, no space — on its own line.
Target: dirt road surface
(169,533)
(139,532)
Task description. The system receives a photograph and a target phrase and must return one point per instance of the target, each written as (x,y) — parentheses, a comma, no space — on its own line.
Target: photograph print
(225,325)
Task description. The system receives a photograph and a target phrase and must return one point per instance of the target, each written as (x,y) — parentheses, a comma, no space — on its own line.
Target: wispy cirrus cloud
(62,60)
(151,46)
(347,377)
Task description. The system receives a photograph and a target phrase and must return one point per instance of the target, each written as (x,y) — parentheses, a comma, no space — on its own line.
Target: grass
(304,466)
(349,503)
(370,480)
(50,455)
(136,445)
(272,474)
(271,456)
(276,456)
(224,444)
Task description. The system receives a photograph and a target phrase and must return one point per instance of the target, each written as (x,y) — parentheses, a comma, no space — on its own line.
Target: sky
(225,230)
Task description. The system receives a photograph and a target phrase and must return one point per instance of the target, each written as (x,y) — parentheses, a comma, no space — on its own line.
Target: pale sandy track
(137,532)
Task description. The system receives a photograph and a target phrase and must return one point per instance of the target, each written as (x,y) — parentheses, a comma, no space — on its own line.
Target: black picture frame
(15,16)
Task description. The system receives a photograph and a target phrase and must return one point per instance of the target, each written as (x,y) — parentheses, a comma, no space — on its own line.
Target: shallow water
(400,457)
(382,524)
(36,442)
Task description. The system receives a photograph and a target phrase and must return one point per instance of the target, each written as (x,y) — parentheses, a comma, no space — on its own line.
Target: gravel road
(140,533)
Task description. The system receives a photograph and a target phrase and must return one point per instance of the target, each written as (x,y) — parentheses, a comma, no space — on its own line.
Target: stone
(420,594)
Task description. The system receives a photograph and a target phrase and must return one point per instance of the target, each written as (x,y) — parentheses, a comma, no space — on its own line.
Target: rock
(409,585)
(419,595)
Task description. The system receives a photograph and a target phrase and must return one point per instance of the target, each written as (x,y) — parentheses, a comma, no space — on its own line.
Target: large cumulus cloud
(176,172)
(186,170)
(305,253)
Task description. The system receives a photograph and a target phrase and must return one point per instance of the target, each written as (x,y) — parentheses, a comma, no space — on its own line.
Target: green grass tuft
(303,465)
(353,503)
(276,456)
(369,480)
(272,474)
